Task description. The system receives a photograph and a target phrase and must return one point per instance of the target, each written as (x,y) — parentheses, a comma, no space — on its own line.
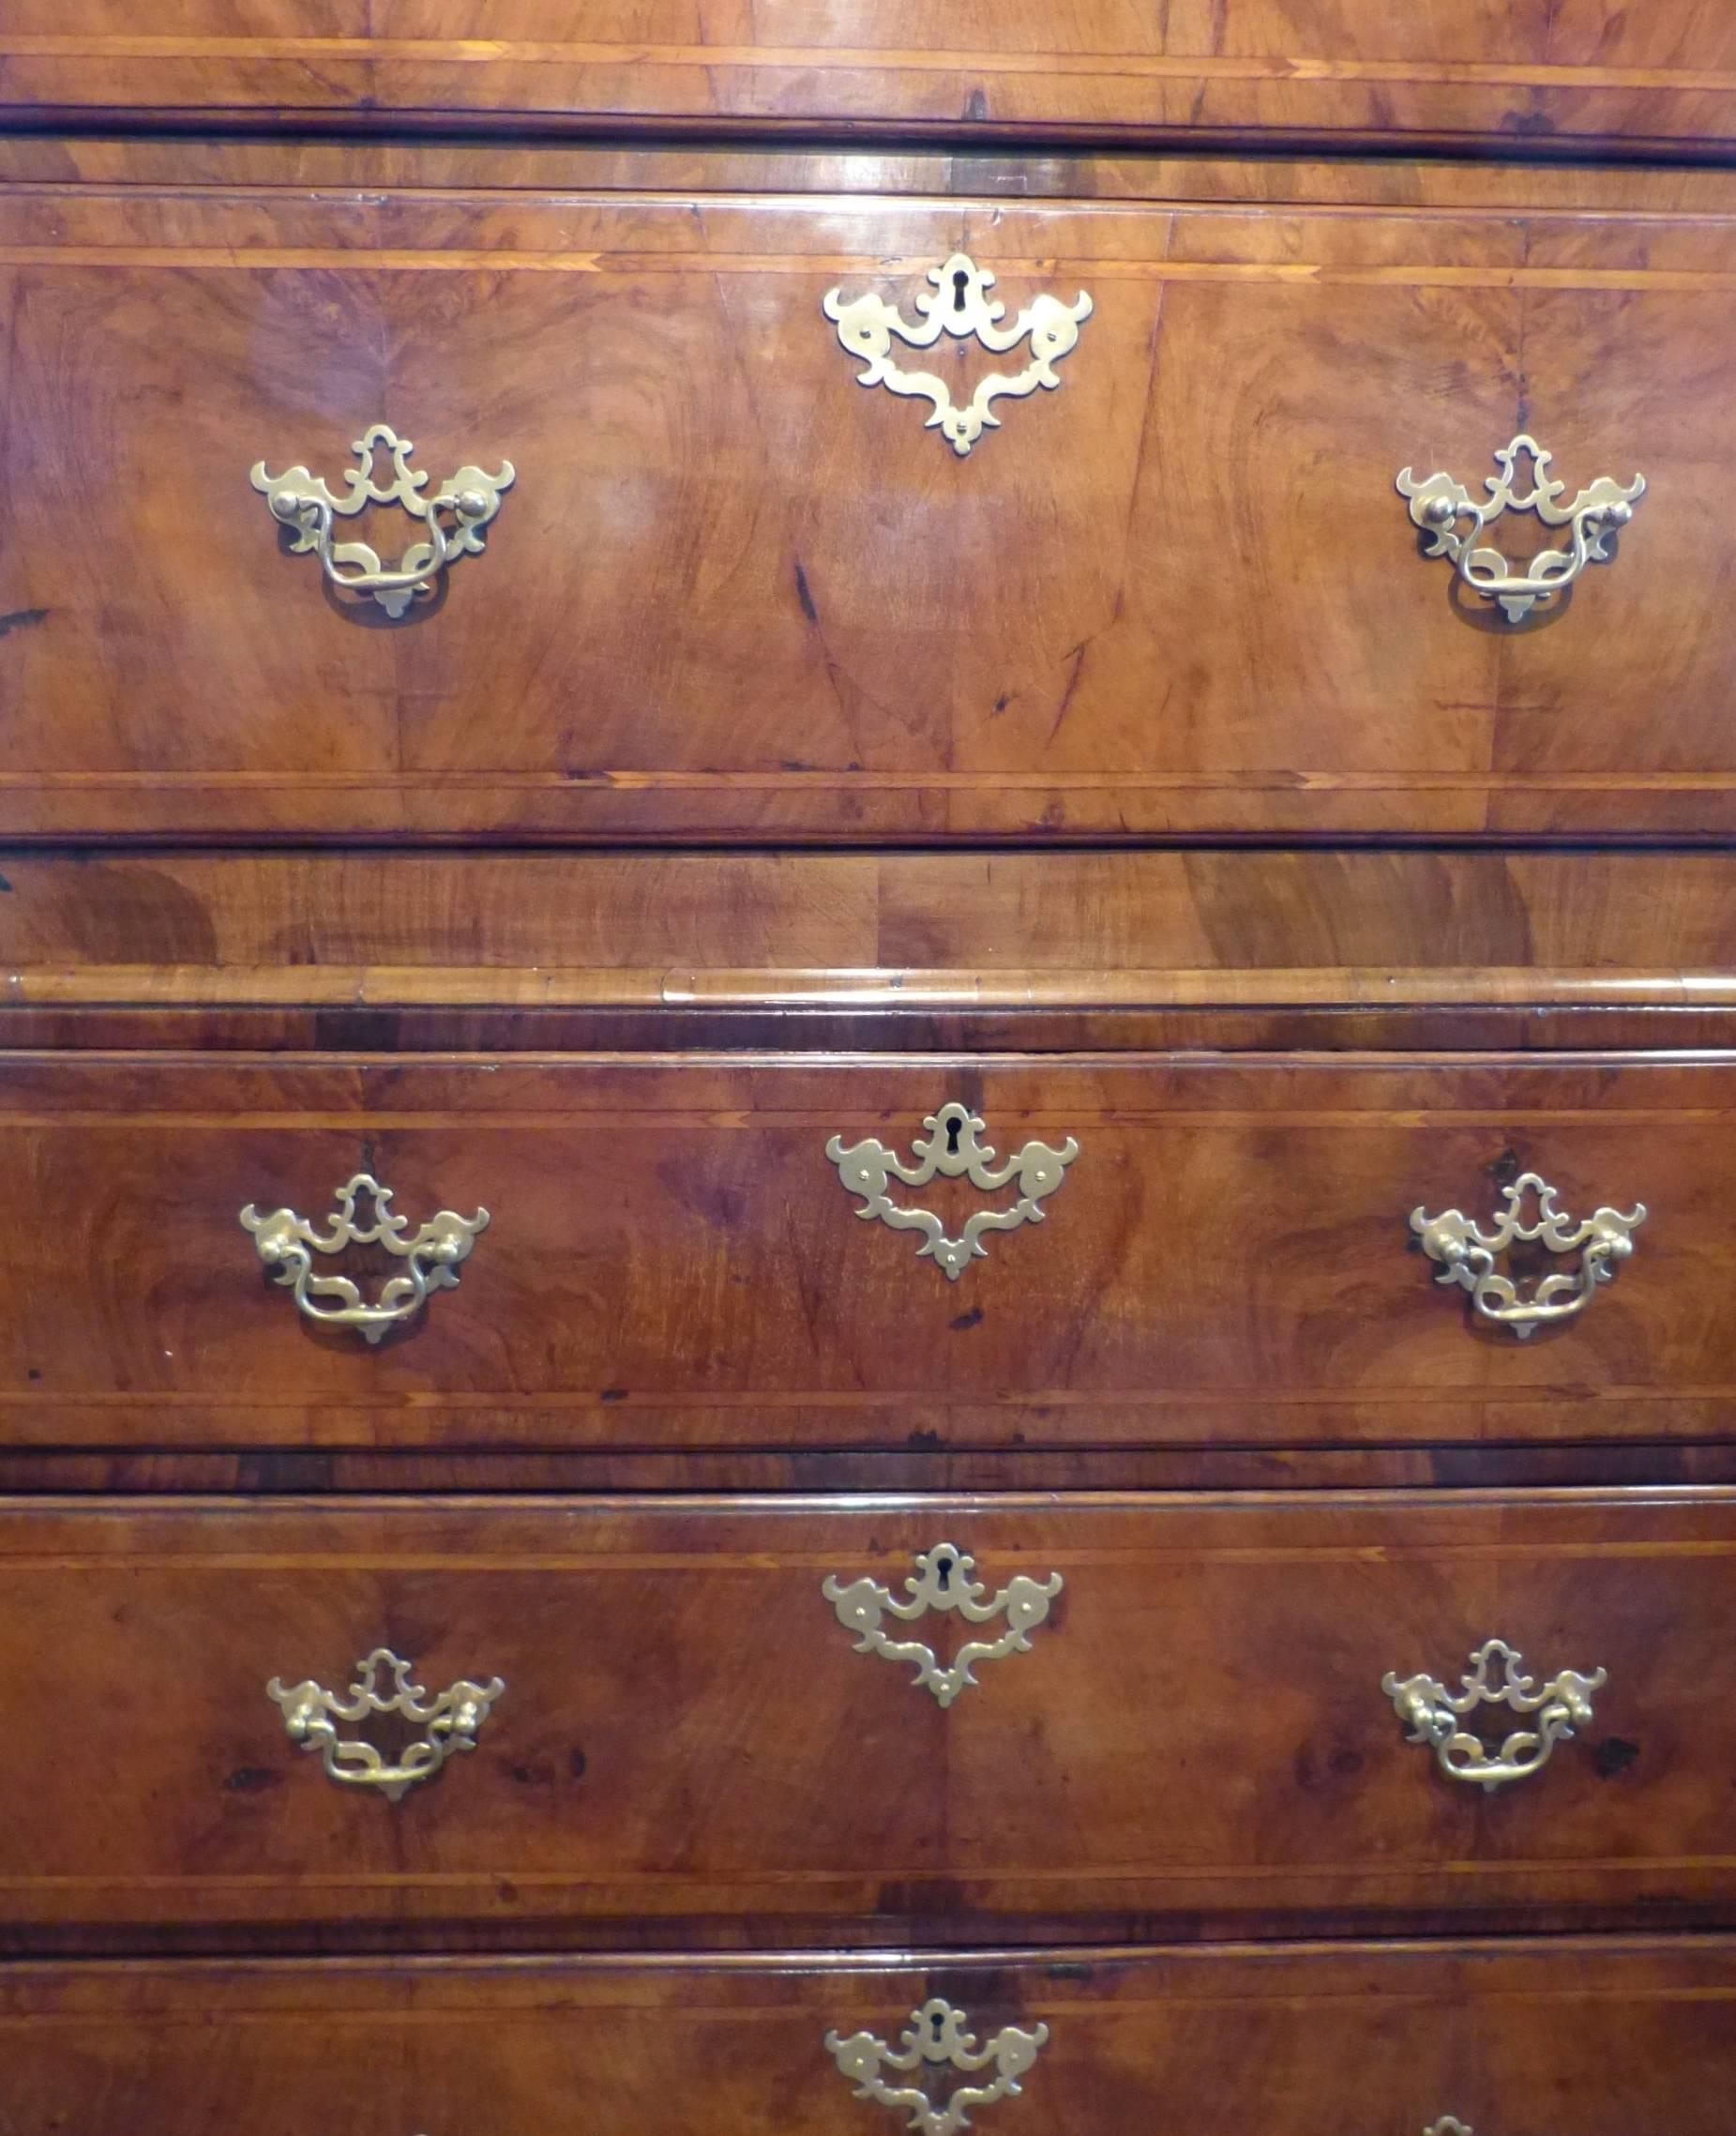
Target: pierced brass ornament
(960,306)
(454,516)
(1467,1255)
(1433,1714)
(1447,2125)
(942,1581)
(936,2040)
(286,1243)
(1593,517)
(951,1151)
(448,1722)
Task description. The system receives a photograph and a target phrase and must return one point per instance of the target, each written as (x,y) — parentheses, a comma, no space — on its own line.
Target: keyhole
(942,1579)
(939,2023)
(952,1127)
(960,282)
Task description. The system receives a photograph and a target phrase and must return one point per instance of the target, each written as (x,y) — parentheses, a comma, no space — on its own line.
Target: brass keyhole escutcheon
(864,1606)
(950,1150)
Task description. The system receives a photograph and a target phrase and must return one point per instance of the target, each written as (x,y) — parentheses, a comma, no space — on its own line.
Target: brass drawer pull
(1595,516)
(448,1722)
(936,2040)
(470,499)
(942,1581)
(951,1151)
(1433,1714)
(1467,1255)
(287,1243)
(960,306)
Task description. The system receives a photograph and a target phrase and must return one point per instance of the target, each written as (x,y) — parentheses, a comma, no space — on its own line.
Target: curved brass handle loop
(355,567)
(951,1151)
(448,1722)
(1467,1255)
(1438,502)
(286,1243)
(936,2040)
(470,499)
(942,1581)
(1433,1714)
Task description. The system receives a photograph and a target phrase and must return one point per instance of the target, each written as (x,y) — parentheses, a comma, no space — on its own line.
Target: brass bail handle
(1439,503)
(304,502)
(314,515)
(1551,1713)
(429,1258)
(446,1722)
(1467,1254)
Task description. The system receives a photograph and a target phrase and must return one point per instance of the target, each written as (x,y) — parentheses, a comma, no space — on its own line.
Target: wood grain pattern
(674,1265)
(873,933)
(688,1736)
(1383,2037)
(949,953)
(1179,597)
(1522,74)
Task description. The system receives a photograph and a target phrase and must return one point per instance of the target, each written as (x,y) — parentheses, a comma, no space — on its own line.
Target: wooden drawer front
(1598,2040)
(733,594)
(1197,1727)
(673,1261)
(1499,71)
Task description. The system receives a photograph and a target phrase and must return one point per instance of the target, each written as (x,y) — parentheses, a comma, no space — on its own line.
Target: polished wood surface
(875,933)
(1533,76)
(1601,2039)
(674,1265)
(1178,596)
(950,954)
(1156,791)
(687,1734)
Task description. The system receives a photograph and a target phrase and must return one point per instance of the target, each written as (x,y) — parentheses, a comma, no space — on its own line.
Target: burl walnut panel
(736,596)
(1538,76)
(1601,2039)
(1197,1733)
(674,1263)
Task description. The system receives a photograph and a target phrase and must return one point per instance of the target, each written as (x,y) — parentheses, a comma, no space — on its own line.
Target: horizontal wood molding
(860,993)
(1520,77)
(868,933)
(89,162)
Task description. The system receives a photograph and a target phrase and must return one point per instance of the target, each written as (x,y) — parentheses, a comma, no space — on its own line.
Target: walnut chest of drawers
(868,899)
